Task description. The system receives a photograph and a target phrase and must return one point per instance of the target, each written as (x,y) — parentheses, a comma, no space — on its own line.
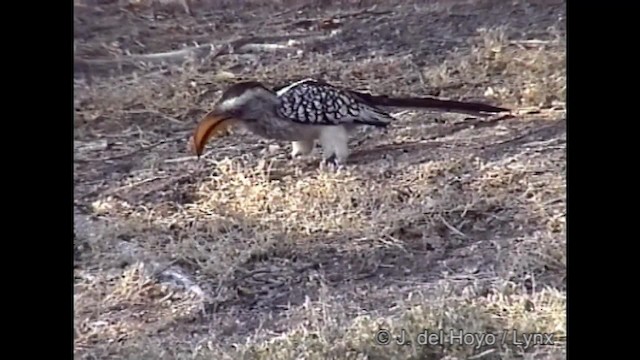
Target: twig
(534,42)
(253,43)
(262,47)
(181,159)
(98,145)
(369,11)
(154,112)
(392,241)
(131,153)
(132,185)
(199,52)
(290,10)
(453,229)
(132,61)
(400,113)
(553,201)
(482,354)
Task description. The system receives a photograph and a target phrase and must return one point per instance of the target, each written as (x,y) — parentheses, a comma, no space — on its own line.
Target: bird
(311,110)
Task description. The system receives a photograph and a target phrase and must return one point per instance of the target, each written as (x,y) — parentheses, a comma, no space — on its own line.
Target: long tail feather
(462,107)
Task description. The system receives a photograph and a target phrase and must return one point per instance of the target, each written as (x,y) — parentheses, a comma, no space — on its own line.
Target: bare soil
(442,222)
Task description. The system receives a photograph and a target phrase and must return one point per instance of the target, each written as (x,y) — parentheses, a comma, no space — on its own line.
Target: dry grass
(440,224)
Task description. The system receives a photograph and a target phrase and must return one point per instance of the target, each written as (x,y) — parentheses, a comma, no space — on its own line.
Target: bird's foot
(332,163)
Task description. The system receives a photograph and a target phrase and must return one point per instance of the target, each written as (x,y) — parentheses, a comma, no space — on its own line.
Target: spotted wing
(314,102)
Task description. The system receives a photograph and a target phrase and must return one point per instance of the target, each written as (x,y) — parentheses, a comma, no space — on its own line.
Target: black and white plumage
(315,102)
(308,111)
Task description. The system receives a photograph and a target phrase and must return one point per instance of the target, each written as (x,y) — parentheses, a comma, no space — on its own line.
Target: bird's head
(244,101)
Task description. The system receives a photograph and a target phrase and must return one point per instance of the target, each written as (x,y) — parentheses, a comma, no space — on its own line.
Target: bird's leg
(334,141)
(332,163)
(301,147)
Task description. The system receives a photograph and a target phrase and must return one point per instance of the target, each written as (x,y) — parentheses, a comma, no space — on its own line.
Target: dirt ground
(441,223)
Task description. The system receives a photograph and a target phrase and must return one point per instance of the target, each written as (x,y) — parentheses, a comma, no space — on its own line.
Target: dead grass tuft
(531,73)
(112,308)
